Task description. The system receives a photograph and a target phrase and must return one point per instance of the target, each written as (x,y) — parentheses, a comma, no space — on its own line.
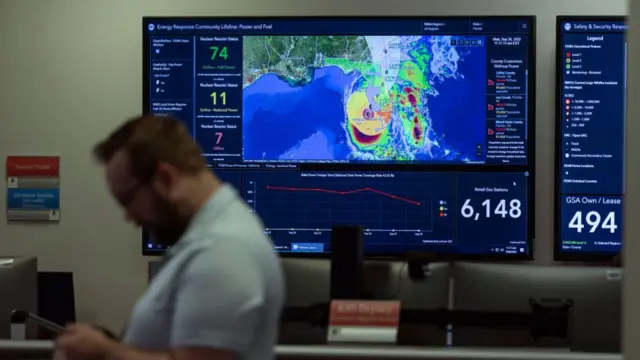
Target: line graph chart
(313,202)
(328,191)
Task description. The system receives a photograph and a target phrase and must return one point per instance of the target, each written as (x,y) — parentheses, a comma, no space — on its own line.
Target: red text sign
(33,166)
(364,313)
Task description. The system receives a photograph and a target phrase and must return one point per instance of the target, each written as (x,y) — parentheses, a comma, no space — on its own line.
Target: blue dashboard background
(590,137)
(246,146)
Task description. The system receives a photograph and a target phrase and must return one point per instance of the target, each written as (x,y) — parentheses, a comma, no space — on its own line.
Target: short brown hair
(150,140)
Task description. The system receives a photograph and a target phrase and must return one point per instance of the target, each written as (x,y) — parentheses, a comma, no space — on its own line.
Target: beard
(169,226)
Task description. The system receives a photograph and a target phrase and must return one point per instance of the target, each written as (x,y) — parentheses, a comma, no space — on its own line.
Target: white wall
(71,70)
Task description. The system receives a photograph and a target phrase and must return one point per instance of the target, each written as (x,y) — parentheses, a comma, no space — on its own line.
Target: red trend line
(283,188)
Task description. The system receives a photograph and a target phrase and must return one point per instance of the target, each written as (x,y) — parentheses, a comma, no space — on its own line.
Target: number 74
(217,51)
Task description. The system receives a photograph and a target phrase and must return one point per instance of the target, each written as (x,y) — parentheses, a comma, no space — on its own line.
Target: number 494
(594,221)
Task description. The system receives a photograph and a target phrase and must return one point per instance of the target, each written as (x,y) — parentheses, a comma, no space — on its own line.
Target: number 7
(214,52)
(218,137)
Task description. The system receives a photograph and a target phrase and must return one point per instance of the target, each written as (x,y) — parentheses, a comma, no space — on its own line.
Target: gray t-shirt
(221,286)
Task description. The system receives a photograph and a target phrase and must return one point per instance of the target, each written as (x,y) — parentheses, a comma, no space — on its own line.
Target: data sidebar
(592,127)
(507,78)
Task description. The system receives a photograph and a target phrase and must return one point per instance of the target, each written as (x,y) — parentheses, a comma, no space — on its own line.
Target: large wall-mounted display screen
(590,137)
(418,129)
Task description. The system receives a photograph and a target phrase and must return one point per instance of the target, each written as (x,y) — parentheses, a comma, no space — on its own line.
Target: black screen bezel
(531,121)
(558,253)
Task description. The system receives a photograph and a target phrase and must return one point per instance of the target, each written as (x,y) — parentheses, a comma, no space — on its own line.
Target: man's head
(153,167)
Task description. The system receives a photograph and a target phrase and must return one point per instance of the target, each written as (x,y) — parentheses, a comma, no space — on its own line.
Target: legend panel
(591,148)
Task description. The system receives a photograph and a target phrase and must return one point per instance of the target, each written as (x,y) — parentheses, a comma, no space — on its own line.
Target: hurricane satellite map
(362,98)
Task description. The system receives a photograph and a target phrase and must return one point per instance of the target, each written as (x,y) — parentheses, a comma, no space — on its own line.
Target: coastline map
(362,98)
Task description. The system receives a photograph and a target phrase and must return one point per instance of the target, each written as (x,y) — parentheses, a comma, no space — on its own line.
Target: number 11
(223,98)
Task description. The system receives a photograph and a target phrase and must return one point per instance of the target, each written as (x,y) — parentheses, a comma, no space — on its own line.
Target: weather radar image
(359,98)
(418,130)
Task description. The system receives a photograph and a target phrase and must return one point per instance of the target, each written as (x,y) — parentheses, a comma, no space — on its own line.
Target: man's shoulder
(235,218)
(232,263)
(231,245)
(234,238)
(238,226)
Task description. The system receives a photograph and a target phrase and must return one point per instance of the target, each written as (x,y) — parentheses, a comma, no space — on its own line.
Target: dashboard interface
(417,129)
(590,143)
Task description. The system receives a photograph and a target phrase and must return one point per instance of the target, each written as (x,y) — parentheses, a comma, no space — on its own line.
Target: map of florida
(345,97)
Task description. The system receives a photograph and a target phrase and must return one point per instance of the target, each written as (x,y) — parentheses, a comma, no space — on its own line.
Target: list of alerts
(506,89)
(592,111)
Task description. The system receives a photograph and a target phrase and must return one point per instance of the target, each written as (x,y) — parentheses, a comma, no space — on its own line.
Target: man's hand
(83,342)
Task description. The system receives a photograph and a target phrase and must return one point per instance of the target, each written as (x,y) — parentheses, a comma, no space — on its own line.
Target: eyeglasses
(125,198)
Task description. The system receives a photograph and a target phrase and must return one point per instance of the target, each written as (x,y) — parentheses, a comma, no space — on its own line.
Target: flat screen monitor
(418,129)
(590,137)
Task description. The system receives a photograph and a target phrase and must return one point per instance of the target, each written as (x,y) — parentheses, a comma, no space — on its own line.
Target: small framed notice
(363,321)
(33,188)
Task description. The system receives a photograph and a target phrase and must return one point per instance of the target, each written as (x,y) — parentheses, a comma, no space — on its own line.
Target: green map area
(294,57)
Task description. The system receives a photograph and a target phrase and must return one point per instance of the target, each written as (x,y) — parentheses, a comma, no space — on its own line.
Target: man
(219,292)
